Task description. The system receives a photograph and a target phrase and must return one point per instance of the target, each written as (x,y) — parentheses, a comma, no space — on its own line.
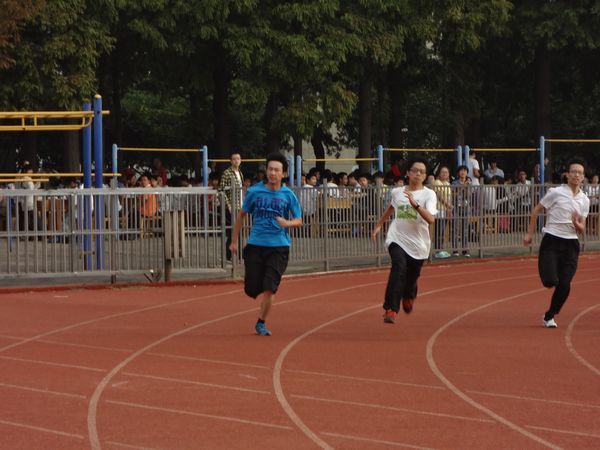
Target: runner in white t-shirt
(567,207)
(408,241)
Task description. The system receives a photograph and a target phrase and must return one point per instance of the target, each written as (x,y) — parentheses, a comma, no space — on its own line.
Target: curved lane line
(431,361)
(279,362)
(569,341)
(93,405)
(112,316)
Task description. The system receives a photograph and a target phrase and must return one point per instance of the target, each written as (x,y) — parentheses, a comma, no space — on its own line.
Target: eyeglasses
(418,171)
(577,172)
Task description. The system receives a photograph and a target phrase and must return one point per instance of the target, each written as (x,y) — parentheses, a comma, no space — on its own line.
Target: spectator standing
(274,209)
(567,208)
(160,171)
(461,194)
(232,182)
(473,169)
(493,171)
(443,190)
(408,240)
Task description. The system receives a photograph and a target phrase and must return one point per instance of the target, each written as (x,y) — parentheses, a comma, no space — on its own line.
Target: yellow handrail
(20,180)
(35,176)
(514,149)
(152,149)
(338,159)
(30,120)
(573,140)
(420,149)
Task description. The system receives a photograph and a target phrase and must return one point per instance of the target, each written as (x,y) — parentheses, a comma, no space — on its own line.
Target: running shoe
(407,305)
(390,316)
(261,329)
(466,254)
(549,323)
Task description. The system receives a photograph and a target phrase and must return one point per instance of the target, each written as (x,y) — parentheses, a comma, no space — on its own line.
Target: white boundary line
(569,341)
(432,364)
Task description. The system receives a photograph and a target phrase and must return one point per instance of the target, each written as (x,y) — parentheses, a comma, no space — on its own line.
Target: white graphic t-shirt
(408,229)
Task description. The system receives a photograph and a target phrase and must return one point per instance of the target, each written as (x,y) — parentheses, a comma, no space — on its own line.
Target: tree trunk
(221,116)
(319,148)
(273,135)
(397,102)
(542,99)
(72,152)
(365,115)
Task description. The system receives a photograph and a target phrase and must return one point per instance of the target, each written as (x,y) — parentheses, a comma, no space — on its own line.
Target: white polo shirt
(408,229)
(560,204)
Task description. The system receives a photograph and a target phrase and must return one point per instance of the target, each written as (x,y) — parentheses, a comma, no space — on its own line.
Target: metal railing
(59,233)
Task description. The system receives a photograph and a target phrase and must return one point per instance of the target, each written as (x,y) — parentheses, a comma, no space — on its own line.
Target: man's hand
(233,247)
(527,240)
(282,222)
(375,232)
(577,222)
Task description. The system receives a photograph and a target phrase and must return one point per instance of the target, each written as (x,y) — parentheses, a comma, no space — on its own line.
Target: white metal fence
(58,233)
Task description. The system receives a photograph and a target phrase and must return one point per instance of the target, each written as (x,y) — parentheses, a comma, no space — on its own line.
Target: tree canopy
(260,75)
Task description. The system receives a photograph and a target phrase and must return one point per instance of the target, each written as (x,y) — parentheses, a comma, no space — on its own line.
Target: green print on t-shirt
(406,212)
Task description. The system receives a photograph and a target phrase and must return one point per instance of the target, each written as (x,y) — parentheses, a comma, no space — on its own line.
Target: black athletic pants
(402,282)
(557,263)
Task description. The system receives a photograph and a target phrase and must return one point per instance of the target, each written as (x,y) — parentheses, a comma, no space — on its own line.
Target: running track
(180,368)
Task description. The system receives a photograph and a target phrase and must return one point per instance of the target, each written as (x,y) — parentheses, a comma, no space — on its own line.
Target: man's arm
(289,223)
(532,221)
(579,223)
(384,217)
(236,231)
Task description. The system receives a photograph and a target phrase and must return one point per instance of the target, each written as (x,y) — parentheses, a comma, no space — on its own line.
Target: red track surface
(180,367)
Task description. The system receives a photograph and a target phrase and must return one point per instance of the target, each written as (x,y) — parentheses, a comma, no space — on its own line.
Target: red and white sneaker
(389,316)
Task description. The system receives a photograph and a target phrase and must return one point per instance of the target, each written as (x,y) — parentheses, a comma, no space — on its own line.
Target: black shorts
(264,267)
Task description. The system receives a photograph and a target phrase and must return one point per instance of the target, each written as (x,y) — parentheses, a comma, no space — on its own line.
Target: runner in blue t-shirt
(274,209)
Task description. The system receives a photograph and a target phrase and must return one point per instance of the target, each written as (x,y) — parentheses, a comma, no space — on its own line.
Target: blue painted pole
(298,170)
(542,159)
(459,152)
(380,158)
(204,151)
(85,211)
(114,163)
(291,170)
(98,170)
(467,151)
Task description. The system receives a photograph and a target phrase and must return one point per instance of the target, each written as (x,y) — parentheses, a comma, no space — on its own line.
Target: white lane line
(533,399)
(212,361)
(42,429)
(279,362)
(135,447)
(197,414)
(569,341)
(462,395)
(432,364)
(368,380)
(113,316)
(376,441)
(41,391)
(50,363)
(94,400)
(569,432)
(392,408)
(196,383)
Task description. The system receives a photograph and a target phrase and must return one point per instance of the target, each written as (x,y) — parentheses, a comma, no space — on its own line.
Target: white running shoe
(549,323)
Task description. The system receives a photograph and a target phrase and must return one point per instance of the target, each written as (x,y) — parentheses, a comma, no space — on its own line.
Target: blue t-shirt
(265,205)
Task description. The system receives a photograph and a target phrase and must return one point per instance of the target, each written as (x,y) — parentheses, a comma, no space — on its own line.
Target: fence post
(204,151)
(299,170)
(380,158)
(542,159)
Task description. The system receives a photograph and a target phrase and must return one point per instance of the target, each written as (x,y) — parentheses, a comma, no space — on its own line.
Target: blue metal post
(298,170)
(542,160)
(291,170)
(459,154)
(380,158)
(98,172)
(467,151)
(114,164)
(85,211)
(204,151)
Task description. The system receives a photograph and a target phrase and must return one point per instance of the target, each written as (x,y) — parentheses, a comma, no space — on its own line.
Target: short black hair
(417,159)
(463,167)
(279,158)
(576,160)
